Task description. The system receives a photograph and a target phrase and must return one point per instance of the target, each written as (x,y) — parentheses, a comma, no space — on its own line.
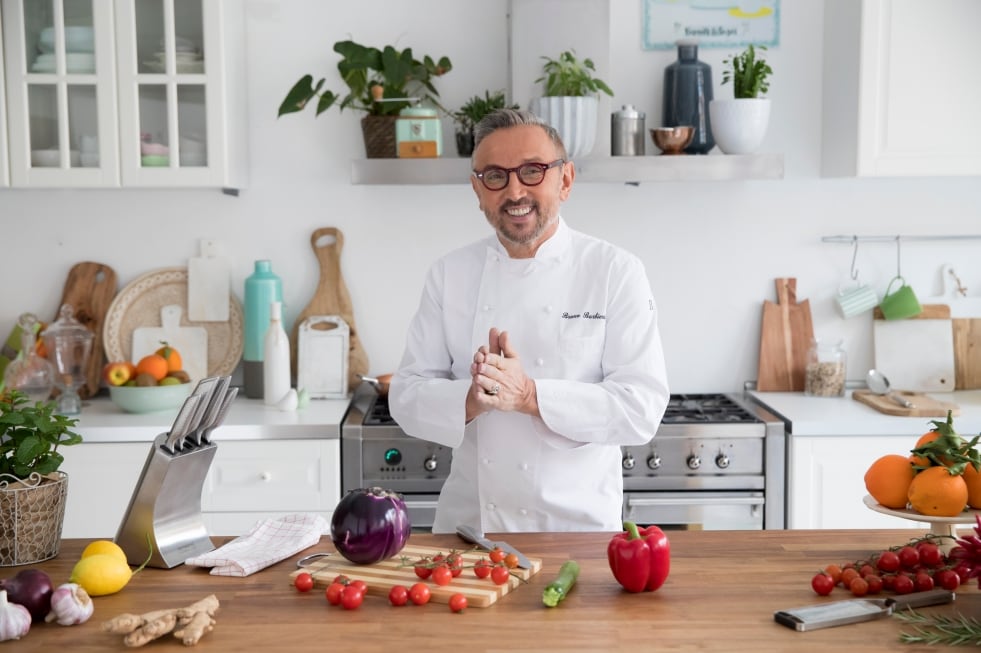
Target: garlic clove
(70,605)
(15,619)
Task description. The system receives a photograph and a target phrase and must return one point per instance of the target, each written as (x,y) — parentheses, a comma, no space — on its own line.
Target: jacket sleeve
(627,405)
(424,398)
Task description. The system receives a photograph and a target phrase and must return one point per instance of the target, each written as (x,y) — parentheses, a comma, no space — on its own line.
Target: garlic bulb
(70,605)
(15,620)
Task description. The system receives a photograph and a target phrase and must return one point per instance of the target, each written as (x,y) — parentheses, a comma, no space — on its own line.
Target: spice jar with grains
(825,371)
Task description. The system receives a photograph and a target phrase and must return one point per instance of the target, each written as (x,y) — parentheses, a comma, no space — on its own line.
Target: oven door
(422,510)
(696,510)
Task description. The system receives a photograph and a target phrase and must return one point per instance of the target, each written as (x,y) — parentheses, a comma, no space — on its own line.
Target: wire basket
(32,512)
(379,137)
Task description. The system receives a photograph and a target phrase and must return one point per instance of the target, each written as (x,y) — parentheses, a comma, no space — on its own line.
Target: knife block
(165,510)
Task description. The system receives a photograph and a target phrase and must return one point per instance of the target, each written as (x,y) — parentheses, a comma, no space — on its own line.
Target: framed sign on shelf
(714,23)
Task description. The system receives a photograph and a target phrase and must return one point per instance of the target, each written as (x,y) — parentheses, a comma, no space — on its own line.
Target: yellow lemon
(104,546)
(101,573)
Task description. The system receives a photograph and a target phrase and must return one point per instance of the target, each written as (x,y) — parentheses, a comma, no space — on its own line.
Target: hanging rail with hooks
(892,239)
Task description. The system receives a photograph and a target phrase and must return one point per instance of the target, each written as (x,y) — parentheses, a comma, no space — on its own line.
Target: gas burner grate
(378,414)
(705,408)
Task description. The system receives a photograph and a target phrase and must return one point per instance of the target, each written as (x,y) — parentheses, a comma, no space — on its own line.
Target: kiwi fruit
(180,375)
(144,380)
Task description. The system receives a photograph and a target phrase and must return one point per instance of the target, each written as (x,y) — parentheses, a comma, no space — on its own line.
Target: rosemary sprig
(940,629)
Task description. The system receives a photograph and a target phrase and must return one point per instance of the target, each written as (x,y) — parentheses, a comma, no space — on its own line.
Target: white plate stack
(79,50)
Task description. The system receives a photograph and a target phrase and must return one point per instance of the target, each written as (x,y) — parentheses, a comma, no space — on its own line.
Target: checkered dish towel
(269,541)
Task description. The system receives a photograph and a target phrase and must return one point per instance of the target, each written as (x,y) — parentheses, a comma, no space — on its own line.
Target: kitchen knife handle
(921,599)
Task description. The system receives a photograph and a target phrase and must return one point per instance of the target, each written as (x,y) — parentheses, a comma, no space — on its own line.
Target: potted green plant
(473,111)
(739,124)
(32,489)
(380,83)
(570,100)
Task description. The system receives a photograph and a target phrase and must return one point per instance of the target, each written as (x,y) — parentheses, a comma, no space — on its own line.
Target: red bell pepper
(640,558)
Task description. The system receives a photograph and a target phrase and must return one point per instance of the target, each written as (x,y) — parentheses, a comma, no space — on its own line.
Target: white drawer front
(274,475)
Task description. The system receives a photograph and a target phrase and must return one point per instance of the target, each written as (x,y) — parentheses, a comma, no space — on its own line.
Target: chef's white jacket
(582,319)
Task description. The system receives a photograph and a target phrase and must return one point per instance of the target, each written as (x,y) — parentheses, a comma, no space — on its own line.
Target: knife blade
(850,611)
(208,415)
(220,416)
(183,424)
(471,534)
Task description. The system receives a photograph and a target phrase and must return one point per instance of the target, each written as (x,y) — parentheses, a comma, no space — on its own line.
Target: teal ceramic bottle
(262,288)
(687,94)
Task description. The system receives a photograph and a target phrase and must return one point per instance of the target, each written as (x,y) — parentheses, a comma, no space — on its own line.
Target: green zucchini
(560,587)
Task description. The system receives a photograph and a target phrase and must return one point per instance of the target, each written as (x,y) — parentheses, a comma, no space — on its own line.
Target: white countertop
(248,419)
(817,416)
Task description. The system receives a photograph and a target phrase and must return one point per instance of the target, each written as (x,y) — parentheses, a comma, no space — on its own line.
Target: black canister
(687,93)
(627,132)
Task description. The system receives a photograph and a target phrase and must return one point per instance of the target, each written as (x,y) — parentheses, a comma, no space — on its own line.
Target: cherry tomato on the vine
(455,561)
(360,584)
(342,579)
(351,597)
(482,568)
(858,587)
(903,585)
(822,583)
(442,575)
(834,571)
(511,560)
(909,557)
(398,595)
(888,561)
(458,603)
(422,571)
(930,554)
(500,574)
(923,582)
(420,593)
(875,583)
(333,593)
(303,582)
(848,575)
(496,555)
(947,579)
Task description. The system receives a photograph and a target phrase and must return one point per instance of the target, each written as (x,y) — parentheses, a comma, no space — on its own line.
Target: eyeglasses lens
(531,175)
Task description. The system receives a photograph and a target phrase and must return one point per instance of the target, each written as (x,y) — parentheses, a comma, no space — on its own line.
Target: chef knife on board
(850,611)
(471,534)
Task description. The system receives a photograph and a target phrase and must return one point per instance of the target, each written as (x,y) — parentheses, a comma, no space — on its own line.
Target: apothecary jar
(825,371)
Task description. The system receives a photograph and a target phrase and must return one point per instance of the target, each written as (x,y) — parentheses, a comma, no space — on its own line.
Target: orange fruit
(935,492)
(888,480)
(153,364)
(972,479)
(926,438)
(171,355)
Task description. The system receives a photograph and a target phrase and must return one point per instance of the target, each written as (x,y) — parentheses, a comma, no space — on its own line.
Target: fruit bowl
(149,399)
(940,526)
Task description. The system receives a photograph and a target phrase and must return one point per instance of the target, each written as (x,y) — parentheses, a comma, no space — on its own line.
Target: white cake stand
(941,526)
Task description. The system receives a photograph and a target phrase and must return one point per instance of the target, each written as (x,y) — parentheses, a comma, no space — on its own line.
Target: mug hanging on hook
(858,298)
(901,303)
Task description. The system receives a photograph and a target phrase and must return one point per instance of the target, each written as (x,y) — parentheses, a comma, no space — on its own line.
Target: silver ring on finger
(494,390)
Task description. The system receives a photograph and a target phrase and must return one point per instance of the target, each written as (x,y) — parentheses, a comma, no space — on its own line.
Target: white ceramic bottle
(276,360)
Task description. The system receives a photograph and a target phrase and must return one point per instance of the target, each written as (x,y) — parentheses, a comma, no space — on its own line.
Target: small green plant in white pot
(739,124)
(570,102)
(473,111)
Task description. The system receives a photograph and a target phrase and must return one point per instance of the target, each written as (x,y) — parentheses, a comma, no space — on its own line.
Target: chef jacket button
(540,362)
(524,467)
(491,506)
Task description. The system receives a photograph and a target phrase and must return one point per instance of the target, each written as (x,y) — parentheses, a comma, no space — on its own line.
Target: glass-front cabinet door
(176,123)
(61,102)
(4,168)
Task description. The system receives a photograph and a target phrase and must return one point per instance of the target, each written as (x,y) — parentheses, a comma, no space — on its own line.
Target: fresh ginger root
(187,624)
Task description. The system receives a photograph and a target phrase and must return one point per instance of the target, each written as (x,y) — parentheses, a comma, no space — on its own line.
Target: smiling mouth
(518,211)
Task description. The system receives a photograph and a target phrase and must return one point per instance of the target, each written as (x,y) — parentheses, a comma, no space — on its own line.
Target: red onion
(369,525)
(32,589)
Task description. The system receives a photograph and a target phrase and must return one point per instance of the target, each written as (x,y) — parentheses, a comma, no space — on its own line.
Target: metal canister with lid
(627,129)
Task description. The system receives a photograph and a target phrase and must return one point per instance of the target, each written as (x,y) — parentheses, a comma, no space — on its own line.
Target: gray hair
(505,118)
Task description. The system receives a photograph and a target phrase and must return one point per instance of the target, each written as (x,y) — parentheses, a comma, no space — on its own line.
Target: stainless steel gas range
(716,462)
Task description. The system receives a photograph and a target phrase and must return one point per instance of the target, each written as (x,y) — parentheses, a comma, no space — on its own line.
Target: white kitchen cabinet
(4,173)
(826,481)
(900,88)
(248,481)
(130,93)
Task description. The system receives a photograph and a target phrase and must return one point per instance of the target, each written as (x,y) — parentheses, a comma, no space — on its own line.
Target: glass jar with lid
(825,371)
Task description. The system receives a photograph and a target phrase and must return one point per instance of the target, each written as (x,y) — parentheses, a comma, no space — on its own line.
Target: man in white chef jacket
(535,353)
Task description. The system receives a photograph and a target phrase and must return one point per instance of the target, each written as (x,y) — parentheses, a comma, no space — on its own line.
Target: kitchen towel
(270,541)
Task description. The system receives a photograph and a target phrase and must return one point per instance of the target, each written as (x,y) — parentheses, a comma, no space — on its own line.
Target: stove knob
(694,462)
(628,461)
(722,461)
(654,461)
(430,463)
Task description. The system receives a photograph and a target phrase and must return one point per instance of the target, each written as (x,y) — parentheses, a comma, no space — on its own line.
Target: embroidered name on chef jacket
(583,316)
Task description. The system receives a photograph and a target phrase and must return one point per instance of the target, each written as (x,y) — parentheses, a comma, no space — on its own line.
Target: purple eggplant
(369,525)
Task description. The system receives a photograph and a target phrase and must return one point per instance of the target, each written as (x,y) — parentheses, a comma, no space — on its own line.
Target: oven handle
(633,501)
(409,503)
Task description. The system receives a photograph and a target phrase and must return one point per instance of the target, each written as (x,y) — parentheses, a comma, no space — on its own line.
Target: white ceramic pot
(739,125)
(573,117)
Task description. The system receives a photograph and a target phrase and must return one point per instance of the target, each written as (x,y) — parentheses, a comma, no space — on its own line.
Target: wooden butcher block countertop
(721,594)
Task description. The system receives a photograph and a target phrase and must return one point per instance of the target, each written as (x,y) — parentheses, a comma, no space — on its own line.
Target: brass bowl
(672,140)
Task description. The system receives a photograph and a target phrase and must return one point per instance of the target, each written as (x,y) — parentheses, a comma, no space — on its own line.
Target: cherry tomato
(511,560)
(423,572)
(875,583)
(482,568)
(342,579)
(859,586)
(923,582)
(455,561)
(419,593)
(963,571)
(398,595)
(848,575)
(866,570)
(822,583)
(888,561)
(442,575)
(889,582)
(834,571)
(360,584)
(500,574)
(947,579)
(334,593)
(303,582)
(909,557)
(903,585)
(931,555)
(496,555)
(458,603)
(351,597)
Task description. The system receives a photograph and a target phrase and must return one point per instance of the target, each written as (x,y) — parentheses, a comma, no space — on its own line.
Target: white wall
(712,250)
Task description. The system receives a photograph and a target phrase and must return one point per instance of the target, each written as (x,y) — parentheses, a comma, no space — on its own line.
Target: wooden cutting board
(190,341)
(208,284)
(965,311)
(917,353)
(923,405)
(382,576)
(331,297)
(785,336)
(89,289)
